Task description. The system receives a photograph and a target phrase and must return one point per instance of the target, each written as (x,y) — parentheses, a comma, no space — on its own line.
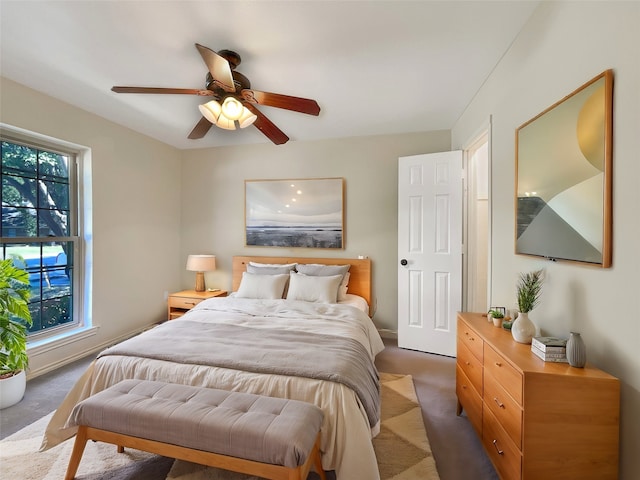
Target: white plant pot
(12,389)
(523,329)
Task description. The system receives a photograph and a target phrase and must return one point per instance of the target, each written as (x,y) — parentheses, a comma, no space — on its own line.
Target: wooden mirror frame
(563,185)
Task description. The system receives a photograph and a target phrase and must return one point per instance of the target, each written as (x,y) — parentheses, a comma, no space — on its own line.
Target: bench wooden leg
(318,461)
(76,454)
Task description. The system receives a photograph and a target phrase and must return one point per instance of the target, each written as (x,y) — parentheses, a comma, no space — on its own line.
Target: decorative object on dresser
(496,316)
(576,351)
(533,416)
(529,289)
(201,264)
(180,303)
(550,349)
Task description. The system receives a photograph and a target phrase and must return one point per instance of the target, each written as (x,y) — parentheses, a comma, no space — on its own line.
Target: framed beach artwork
(295,213)
(564,178)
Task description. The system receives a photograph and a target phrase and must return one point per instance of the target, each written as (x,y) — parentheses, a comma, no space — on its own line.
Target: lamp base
(200,282)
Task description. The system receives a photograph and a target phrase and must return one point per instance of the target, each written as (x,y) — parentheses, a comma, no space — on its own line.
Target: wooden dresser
(537,420)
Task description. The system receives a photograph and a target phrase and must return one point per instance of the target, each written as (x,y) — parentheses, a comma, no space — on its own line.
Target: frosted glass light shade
(247,118)
(211,111)
(225,123)
(232,108)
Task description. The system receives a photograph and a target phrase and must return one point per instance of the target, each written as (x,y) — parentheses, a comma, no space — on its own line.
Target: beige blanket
(346,434)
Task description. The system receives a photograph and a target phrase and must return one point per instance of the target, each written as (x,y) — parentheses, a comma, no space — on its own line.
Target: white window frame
(81,326)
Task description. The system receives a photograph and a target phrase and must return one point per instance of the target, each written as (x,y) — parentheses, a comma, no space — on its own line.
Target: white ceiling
(374,67)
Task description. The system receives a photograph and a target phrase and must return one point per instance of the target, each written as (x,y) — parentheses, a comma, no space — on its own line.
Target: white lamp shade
(232,108)
(225,123)
(201,263)
(247,118)
(211,111)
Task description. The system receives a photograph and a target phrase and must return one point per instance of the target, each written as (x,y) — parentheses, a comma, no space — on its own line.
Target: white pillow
(314,289)
(270,270)
(290,266)
(262,286)
(318,269)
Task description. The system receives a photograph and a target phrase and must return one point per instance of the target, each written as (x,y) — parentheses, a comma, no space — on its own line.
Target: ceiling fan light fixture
(211,111)
(225,123)
(247,118)
(232,108)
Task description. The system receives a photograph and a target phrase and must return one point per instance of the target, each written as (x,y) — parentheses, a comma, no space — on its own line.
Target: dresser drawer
(505,409)
(184,302)
(471,366)
(471,339)
(506,457)
(470,400)
(503,372)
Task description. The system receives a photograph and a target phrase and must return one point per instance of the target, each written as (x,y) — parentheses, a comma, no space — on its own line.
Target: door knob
(404,262)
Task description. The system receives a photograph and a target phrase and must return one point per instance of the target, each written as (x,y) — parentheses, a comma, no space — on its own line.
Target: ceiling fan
(234,101)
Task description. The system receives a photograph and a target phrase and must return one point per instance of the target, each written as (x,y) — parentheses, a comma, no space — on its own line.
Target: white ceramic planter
(523,329)
(12,389)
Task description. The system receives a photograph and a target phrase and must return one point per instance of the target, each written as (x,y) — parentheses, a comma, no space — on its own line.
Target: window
(39,229)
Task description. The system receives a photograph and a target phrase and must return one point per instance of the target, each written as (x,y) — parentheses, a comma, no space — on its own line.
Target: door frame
(471,144)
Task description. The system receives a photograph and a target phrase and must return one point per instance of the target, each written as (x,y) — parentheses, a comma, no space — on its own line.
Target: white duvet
(346,435)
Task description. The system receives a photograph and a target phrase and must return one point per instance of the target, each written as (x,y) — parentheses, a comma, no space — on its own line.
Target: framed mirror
(563,177)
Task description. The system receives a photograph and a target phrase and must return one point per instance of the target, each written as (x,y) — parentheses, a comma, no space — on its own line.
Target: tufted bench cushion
(246,426)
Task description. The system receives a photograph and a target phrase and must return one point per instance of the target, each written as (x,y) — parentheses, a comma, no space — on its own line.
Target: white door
(429,251)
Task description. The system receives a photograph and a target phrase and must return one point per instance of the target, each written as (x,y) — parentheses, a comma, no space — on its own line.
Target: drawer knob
(467,363)
(190,303)
(498,364)
(495,444)
(498,402)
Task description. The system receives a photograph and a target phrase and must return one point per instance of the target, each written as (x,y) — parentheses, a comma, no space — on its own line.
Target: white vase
(12,389)
(523,329)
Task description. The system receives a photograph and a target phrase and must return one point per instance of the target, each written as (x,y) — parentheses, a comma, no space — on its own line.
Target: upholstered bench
(268,437)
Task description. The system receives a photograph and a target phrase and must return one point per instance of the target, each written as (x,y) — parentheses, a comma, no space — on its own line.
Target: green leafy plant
(529,289)
(15,318)
(496,313)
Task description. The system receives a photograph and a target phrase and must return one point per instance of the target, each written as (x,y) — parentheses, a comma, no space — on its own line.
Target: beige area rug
(402,449)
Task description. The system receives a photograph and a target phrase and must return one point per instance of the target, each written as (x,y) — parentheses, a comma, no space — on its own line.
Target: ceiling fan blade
(218,67)
(201,129)
(267,127)
(297,104)
(179,91)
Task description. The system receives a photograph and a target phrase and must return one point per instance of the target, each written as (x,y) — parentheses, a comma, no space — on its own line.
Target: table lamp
(201,264)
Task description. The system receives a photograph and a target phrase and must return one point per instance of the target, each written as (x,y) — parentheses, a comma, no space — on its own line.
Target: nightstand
(180,303)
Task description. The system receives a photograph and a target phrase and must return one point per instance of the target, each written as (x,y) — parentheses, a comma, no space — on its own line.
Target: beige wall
(563,46)
(135,217)
(213,201)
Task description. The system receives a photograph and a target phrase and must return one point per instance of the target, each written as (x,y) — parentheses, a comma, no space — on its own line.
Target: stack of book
(550,349)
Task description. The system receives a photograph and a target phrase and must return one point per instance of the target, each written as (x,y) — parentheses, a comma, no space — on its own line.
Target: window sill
(43,345)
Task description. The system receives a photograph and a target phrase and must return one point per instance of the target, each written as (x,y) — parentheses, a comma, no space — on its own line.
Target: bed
(317,345)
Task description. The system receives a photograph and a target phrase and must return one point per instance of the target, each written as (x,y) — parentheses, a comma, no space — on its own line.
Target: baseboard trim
(386,333)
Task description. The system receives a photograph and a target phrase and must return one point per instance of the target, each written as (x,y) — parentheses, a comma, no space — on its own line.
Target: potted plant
(528,289)
(497,317)
(15,318)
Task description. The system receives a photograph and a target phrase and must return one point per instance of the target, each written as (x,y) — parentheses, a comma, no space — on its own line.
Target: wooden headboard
(359,278)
